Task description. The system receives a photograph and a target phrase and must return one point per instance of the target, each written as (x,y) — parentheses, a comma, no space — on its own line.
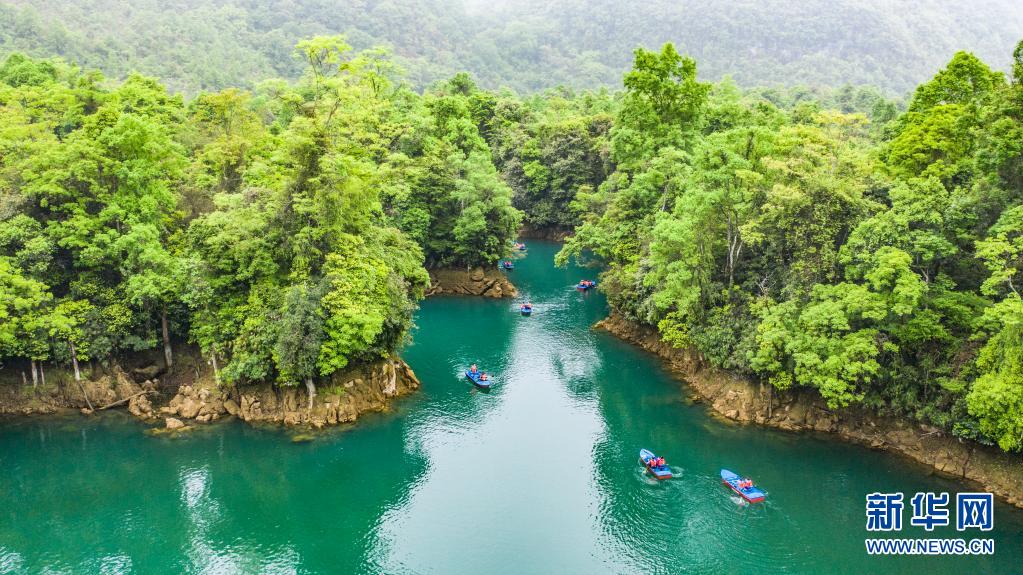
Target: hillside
(523,44)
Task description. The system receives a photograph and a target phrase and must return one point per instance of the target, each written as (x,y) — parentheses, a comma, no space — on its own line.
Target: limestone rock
(173,423)
(148,372)
(231,407)
(189,408)
(140,406)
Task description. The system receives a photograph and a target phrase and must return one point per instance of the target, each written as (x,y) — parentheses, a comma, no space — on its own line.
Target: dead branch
(127,399)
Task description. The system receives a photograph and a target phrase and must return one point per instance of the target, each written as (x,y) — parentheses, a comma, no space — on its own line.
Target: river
(538,475)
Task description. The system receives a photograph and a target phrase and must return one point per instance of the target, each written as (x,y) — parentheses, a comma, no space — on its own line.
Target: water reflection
(510,472)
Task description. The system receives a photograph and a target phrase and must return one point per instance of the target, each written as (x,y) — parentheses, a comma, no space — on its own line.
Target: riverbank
(477,282)
(348,394)
(189,395)
(742,400)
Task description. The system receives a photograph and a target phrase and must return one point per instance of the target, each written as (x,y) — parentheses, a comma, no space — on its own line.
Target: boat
(659,471)
(508,265)
(476,378)
(519,246)
(526,309)
(586,285)
(752,494)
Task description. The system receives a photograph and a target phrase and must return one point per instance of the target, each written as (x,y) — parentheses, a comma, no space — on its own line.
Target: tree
(300,335)
(996,397)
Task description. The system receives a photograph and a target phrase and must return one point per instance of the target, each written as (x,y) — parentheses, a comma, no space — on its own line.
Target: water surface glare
(538,475)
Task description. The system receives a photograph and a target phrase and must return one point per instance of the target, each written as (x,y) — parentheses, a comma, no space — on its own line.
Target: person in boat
(484,377)
(660,462)
(473,369)
(528,305)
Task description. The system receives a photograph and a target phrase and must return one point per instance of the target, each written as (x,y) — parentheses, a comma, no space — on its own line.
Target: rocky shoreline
(179,400)
(742,400)
(477,282)
(553,234)
(350,394)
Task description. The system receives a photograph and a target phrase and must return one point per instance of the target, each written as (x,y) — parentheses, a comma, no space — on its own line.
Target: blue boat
(526,309)
(508,265)
(586,285)
(753,494)
(522,247)
(476,378)
(649,460)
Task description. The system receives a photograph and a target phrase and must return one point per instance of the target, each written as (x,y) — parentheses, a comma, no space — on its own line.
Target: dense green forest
(870,256)
(527,45)
(283,231)
(834,240)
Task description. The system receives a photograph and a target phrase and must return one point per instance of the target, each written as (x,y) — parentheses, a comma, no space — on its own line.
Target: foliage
(528,45)
(266,227)
(871,256)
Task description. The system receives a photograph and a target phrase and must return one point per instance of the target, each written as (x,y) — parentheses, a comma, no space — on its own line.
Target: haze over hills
(526,45)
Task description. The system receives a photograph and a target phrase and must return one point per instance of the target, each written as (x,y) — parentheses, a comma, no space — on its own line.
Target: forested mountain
(527,45)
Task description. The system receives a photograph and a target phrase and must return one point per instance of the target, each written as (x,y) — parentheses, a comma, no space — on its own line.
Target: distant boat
(477,378)
(526,309)
(586,285)
(649,460)
(508,265)
(520,247)
(752,494)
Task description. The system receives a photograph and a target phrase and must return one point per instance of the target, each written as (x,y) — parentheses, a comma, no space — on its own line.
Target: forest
(526,45)
(283,232)
(870,255)
(835,240)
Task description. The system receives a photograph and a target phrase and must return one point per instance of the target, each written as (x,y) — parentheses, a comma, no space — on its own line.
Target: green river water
(539,475)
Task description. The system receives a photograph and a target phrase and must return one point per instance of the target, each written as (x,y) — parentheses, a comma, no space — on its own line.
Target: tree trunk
(311,388)
(85,395)
(35,376)
(167,355)
(74,361)
(42,374)
(24,380)
(216,370)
